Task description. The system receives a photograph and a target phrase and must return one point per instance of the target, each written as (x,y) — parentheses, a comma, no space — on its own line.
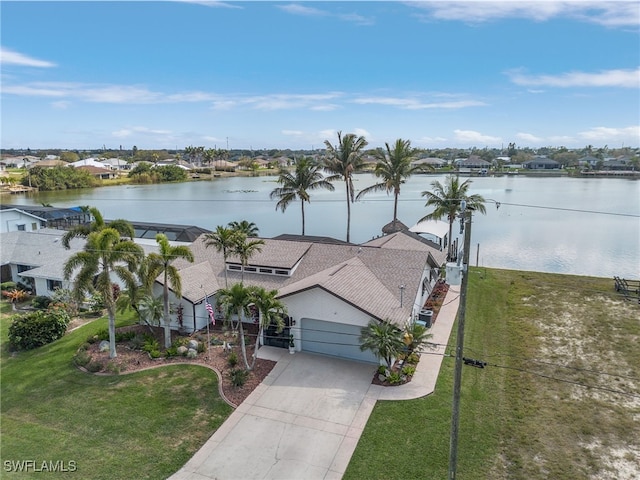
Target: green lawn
(143,425)
(514,424)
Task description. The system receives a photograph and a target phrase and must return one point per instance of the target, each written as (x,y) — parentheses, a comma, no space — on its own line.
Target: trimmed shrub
(408,370)
(238,377)
(233,359)
(34,329)
(81,358)
(40,302)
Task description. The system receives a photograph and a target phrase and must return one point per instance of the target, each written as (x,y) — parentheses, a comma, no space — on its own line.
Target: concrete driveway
(302,422)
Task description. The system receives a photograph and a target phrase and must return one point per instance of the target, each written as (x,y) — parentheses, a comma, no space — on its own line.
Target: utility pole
(457,378)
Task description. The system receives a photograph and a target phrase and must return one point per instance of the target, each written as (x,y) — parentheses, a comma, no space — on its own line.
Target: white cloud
(298,9)
(361,132)
(211,3)
(127,132)
(295,133)
(9,57)
(529,138)
(471,137)
(416,104)
(612,14)
(61,105)
(610,135)
(606,78)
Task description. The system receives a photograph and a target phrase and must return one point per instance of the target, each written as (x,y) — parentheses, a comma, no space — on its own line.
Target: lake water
(583,226)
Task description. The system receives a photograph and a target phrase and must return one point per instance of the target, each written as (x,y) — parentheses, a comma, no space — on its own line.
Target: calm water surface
(584,226)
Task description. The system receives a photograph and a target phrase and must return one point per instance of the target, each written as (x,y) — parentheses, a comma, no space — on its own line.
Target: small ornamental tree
(384,339)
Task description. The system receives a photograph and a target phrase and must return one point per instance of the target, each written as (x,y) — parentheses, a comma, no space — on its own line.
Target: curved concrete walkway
(305,419)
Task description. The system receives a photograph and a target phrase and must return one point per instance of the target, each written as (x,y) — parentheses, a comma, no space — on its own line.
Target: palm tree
(223,239)
(236,301)
(271,311)
(384,339)
(122,226)
(394,168)
(160,264)
(415,337)
(248,228)
(297,185)
(342,162)
(104,253)
(151,309)
(245,249)
(446,200)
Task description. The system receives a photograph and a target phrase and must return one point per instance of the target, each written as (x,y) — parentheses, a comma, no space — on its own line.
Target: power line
(594,387)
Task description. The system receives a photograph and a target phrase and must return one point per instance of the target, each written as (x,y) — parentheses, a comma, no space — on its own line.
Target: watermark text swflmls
(40,466)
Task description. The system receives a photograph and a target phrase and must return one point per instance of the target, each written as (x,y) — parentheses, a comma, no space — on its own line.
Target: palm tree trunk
(348,210)
(255,349)
(449,255)
(226,281)
(302,203)
(112,332)
(243,347)
(395,207)
(167,319)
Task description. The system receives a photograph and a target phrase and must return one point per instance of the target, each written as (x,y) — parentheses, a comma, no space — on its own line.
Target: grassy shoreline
(520,416)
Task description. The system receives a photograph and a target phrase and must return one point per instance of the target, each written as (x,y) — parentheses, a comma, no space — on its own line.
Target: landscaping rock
(182,350)
(104,346)
(192,353)
(193,344)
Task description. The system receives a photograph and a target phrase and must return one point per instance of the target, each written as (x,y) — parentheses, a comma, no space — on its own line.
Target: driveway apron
(302,422)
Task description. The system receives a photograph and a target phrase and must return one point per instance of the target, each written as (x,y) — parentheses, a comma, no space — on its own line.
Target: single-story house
(115,164)
(541,163)
(432,161)
(87,162)
(331,289)
(15,219)
(99,172)
(474,162)
(53,216)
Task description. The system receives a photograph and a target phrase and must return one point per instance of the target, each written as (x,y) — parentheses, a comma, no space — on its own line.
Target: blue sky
(291,74)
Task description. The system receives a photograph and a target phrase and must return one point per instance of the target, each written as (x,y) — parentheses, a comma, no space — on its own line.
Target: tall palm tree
(342,161)
(446,199)
(104,254)
(384,339)
(248,228)
(306,177)
(223,240)
(271,310)
(394,168)
(160,264)
(245,249)
(122,226)
(236,300)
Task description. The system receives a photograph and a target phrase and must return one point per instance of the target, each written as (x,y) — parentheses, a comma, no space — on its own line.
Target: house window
(34,226)
(236,268)
(23,268)
(21,227)
(250,269)
(53,285)
(266,270)
(282,272)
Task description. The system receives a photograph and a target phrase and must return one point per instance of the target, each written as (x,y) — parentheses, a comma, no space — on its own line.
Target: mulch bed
(129,360)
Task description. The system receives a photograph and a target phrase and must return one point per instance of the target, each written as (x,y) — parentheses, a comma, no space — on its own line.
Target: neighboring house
(432,161)
(541,163)
(588,160)
(14,220)
(54,217)
(87,162)
(223,165)
(474,163)
(49,164)
(36,259)
(20,161)
(331,290)
(115,164)
(99,172)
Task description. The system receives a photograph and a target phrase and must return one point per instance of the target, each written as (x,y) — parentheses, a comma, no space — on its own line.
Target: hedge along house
(331,290)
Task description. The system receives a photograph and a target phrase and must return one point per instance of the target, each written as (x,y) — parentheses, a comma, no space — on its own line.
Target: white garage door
(335,339)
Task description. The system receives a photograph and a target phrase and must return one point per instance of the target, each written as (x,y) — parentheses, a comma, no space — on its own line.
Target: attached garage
(335,339)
